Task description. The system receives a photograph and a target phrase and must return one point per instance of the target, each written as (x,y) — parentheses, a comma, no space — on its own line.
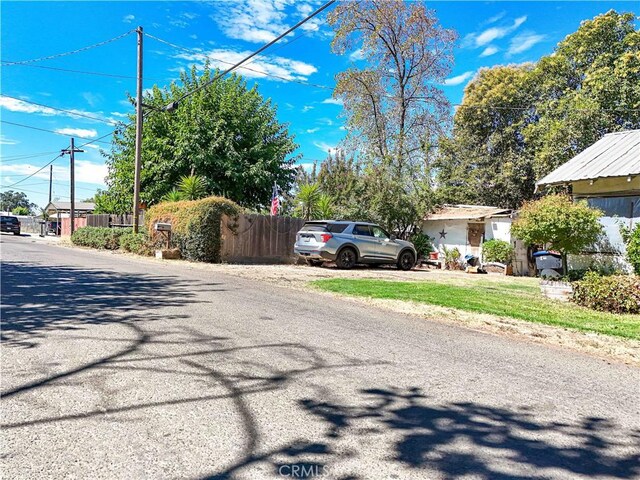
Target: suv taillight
(325,237)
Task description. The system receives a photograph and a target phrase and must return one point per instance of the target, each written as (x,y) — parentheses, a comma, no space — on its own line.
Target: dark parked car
(9,224)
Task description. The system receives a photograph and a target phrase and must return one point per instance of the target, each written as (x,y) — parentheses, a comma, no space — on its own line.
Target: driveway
(116,367)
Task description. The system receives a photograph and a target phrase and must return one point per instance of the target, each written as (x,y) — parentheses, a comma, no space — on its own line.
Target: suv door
(387,248)
(365,241)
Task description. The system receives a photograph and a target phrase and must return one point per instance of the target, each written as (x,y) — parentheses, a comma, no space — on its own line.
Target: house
(467,227)
(607,176)
(63,209)
(61,212)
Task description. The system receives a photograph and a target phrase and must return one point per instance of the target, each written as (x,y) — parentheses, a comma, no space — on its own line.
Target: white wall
(456,234)
(498,228)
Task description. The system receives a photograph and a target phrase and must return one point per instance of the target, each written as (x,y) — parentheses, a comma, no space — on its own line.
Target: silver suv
(348,243)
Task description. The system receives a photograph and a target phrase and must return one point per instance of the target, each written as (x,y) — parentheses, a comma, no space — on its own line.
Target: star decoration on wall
(443,234)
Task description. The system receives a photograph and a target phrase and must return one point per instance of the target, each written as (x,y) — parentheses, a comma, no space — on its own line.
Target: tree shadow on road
(38,298)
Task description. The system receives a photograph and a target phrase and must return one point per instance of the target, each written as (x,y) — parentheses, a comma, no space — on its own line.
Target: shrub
(614,293)
(632,239)
(99,237)
(498,251)
(422,243)
(558,222)
(195,225)
(452,258)
(137,243)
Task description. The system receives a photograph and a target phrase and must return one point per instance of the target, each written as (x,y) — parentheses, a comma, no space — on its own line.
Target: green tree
(306,200)
(21,211)
(10,200)
(325,207)
(559,223)
(172,196)
(518,122)
(224,132)
(393,111)
(192,187)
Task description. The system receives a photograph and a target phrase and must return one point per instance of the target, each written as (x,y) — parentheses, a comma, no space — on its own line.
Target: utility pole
(72,151)
(50,180)
(138,161)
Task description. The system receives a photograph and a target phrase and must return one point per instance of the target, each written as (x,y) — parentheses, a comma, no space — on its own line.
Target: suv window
(337,227)
(379,232)
(362,230)
(315,227)
(6,219)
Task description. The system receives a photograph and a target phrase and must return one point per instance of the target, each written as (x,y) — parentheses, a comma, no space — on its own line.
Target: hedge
(135,243)
(99,237)
(497,251)
(613,293)
(633,249)
(195,225)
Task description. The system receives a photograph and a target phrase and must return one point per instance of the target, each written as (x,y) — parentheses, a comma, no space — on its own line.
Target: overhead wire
(50,131)
(7,63)
(70,112)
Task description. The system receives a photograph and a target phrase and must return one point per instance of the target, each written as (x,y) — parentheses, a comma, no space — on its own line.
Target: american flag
(275,201)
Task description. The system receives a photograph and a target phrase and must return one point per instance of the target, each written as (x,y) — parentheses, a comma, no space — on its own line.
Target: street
(118,367)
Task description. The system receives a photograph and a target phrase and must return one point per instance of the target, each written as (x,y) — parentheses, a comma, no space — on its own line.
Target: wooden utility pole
(138,153)
(50,180)
(71,151)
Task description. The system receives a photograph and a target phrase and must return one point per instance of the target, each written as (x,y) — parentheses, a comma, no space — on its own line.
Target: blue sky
(490,33)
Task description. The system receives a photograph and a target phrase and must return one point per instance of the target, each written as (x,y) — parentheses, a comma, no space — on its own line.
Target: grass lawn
(518,300)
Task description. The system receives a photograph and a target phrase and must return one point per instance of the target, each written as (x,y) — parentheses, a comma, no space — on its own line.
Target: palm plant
(325,208)
(173,196)
(307,200)
(192,187)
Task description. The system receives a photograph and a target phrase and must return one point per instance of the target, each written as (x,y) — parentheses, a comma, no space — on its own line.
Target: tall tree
(518,122)
(393,111)
(225,132)
(10,200)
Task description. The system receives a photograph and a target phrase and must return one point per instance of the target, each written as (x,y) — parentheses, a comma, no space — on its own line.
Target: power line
(70,112)
(86,72)
(34,173)
(51,131)
(17,158)
(260,50)
(64,54)
(244,67)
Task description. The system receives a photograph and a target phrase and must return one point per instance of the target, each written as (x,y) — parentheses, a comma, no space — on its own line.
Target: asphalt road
(115,367)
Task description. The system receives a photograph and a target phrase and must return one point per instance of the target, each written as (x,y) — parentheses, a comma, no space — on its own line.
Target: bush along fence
(195,225)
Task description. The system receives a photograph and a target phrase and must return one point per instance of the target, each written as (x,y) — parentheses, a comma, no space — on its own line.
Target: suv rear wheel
(406,261)
(346,258)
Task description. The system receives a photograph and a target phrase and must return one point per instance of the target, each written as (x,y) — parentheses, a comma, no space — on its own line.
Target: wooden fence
(259,239)
(111,220)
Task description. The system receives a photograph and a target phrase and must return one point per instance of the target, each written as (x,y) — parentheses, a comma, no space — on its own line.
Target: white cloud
(15,105)
(7,141)
(490,50)
(523,42)
(495,18)
(306,108)
(332,101)
(92,98)
(128,18)
(325,147)
(490,34)
(262,66)
(257,21)
(458,79)
(85,171)
(312,130)
(120,115)
(356,55)
(78,132)
(308,166)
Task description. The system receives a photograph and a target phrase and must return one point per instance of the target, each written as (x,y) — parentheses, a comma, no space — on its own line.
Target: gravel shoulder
(299,277)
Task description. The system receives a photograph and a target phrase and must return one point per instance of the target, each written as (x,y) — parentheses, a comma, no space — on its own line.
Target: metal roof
(614,155)
(466,212)
(78,206)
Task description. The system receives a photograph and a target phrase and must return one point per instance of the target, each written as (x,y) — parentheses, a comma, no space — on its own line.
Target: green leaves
(519,122)
(192,187)
(559,223)
(225,133)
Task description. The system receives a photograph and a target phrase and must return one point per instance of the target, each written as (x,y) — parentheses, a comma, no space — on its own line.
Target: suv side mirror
(393,237)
